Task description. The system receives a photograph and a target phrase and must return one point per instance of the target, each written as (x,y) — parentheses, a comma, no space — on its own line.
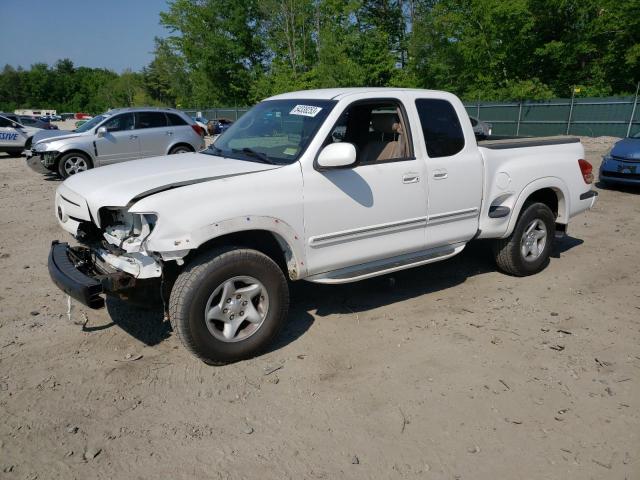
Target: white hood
(117,185)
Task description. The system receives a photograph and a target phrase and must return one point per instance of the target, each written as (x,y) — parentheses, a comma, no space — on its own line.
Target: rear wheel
(73,163)
(527,250)
(229,304)
(180,149)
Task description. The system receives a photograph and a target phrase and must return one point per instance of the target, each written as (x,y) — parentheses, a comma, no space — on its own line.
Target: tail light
(587,171)
(198,129)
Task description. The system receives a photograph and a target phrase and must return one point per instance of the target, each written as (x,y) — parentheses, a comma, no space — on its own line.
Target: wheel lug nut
(228,300)
(238,296)
(225,310)
(231,317)
(242,313)
(244,304)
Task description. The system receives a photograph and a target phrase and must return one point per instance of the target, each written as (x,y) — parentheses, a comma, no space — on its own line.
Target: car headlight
(126,230)
(40,147)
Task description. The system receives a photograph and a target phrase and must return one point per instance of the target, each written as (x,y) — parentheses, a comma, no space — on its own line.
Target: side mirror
(15,125)
(101,132)
(337,155)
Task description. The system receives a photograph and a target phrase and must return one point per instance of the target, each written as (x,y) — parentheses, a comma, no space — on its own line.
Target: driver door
(374,210)
(121,141)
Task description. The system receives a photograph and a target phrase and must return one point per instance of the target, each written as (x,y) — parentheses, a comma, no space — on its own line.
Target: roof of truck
(338,93)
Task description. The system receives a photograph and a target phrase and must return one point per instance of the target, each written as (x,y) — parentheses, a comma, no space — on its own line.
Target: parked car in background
(36,123)
(117,136)
(79,123)
(67,116)
(482,130)
(220,233)
(202,122)
(622,163)
(218,126)
(14,136)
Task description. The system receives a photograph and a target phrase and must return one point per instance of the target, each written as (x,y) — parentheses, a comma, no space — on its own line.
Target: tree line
(227,52)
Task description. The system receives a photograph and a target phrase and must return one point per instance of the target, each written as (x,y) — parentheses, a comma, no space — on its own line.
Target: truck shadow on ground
(149,326)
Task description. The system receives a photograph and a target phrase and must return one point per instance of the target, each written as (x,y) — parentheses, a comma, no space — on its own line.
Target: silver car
(117,136)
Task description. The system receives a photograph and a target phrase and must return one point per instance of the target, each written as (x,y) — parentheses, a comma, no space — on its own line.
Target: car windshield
(94,122)
(636,135)
(274,131)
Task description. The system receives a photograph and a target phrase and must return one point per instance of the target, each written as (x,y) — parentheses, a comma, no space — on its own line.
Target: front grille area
(628,176)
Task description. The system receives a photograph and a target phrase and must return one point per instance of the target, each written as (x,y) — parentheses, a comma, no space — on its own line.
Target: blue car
(622,163)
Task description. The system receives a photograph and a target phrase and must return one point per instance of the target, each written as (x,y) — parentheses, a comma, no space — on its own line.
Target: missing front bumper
(75,272)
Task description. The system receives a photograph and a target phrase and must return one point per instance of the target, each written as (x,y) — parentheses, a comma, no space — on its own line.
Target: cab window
(5,122)
(441,127)
(377,129)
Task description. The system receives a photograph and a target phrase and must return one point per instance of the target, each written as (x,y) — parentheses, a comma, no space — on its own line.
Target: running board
(387,265)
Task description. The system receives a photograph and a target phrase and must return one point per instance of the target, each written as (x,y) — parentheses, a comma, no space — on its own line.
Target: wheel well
(27,144)
(62,154)
(182,144)
(548,196)
(260,240)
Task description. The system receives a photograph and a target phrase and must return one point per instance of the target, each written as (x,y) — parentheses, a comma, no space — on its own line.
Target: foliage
(227,52)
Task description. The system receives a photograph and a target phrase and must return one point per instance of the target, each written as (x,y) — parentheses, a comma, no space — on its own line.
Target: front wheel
(73,163)
(527,250)
(229,304)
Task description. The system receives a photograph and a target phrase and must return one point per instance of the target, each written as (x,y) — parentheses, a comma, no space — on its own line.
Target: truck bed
(504,143)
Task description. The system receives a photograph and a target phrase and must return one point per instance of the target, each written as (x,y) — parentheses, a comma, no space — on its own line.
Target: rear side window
(176,120)
(151,120)
(440,126)
(5,122)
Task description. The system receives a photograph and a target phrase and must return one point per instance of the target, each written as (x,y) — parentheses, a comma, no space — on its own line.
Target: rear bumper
(74,272)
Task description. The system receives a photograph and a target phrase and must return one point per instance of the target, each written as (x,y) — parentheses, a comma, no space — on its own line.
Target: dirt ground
(449,371)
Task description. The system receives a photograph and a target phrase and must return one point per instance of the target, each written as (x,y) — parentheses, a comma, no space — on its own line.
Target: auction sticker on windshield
(305,110)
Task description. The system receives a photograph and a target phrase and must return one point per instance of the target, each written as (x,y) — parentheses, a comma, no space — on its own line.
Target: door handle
(133,137)
(440,174)
(410,178)
(169,133)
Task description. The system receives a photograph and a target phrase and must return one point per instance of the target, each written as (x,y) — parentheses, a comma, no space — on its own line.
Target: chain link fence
(591,117)
(227,113)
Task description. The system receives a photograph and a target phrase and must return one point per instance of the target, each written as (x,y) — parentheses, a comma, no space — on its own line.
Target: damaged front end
(112,259)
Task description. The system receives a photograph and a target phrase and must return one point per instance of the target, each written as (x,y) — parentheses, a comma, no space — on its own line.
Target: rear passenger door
(154,132)
(454,173)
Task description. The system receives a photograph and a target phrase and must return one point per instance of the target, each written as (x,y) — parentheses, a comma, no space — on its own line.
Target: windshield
(636,135)
(94,122)
(274,131)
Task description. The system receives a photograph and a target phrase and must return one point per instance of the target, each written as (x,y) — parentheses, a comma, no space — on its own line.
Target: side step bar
(387,265)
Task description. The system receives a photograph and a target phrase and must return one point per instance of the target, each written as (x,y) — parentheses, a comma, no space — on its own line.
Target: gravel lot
(449,371)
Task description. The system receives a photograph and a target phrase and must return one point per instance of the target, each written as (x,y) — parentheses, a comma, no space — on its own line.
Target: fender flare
(291,242)
(554,183)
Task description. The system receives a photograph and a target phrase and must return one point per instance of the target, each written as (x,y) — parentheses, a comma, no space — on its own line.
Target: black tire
(508,251)
(62,162)
(197,283)
(180,149)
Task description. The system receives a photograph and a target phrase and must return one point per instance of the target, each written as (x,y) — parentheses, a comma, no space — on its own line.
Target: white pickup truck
(328,186)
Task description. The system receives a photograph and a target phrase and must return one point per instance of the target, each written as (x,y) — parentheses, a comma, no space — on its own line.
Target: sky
(113,34)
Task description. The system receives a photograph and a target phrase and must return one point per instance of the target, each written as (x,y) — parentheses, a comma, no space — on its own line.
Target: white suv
(15,137)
